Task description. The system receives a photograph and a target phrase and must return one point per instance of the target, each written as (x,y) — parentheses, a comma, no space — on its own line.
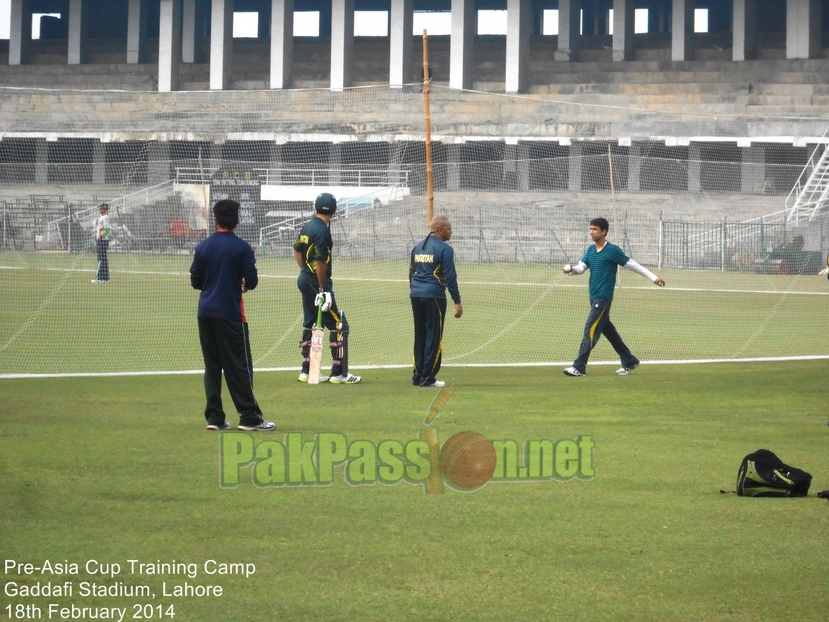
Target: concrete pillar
(78,25)
(342,43)
(453,169)
(169,45)
(335,166)
(510,168)
(623,23)
(99,157)
(568,29)
(460,53)
(745,30)
(137,31)
(519,26)
(694,166)
(275,163)
(215,157)
(20,32)
(575,165)
(523,167)
(634,167)
(188,31)
(158,162)
(803,29)
(221,44)
(400,35)
(682,30)
(753,169)
(396,152)
(282,43)
(41,160)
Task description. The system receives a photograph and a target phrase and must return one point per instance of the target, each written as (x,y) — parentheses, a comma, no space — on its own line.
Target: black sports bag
(763,474)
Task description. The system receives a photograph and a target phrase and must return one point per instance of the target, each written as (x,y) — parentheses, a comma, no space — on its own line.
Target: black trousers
(101,247)
(225,345)
(598,323)
(428,314)
(333,319)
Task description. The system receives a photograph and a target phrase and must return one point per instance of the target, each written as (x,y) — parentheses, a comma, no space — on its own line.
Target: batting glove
(323,300)
(824,272)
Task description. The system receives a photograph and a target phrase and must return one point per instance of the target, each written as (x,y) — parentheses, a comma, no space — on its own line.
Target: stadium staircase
(808,200)
(164,196)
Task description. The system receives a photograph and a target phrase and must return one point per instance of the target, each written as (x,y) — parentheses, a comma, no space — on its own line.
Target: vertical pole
(430,184)
(613,205)
(661,236)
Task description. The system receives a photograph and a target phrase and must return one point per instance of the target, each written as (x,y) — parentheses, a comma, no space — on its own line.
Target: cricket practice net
(705,202)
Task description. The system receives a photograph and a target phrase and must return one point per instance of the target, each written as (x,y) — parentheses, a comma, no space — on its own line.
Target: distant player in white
(102,231)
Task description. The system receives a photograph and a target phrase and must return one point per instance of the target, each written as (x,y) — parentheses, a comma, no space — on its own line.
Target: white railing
(793,198)
(194,174)
(324,176)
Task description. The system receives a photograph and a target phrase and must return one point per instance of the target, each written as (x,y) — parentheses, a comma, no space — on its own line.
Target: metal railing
(86,217)
(194,174)
(820,152)
(723,246)
(319,175)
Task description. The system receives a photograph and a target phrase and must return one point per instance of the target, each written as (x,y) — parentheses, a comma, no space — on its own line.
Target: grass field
(53,320)
(121,468)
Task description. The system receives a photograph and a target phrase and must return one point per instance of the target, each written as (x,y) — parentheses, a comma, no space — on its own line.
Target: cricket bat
(315,358)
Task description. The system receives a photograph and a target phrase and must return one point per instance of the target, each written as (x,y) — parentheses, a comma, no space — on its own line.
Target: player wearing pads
(313,251)
(602,259)
(431,272)
(102,231)
(224,267)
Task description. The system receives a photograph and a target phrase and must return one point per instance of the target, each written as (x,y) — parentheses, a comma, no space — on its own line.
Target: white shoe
(304,378)
(624,371)
(572,371)
(263,426)
(438,384)
(348,379)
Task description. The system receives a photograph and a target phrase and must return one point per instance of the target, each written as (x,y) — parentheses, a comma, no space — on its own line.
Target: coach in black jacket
(431,272)
(224,267)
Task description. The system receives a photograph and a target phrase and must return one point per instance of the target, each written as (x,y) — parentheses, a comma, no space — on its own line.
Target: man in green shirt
(602,259)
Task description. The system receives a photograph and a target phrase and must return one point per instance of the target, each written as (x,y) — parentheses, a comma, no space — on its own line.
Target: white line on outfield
(761,359)
(462,282)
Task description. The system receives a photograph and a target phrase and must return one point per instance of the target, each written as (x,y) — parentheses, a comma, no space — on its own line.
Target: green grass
(121,468)
(54,321)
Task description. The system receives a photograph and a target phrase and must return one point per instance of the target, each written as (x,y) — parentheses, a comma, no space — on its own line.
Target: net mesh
(519,177)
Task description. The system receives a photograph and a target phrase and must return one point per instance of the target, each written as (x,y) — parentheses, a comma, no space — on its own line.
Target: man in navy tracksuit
(431,272)
(224,267)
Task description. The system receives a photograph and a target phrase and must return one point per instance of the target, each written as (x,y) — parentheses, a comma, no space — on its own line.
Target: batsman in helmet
(313,252)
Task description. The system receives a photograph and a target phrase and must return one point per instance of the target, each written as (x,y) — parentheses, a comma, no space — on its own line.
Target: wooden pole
(430,182)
